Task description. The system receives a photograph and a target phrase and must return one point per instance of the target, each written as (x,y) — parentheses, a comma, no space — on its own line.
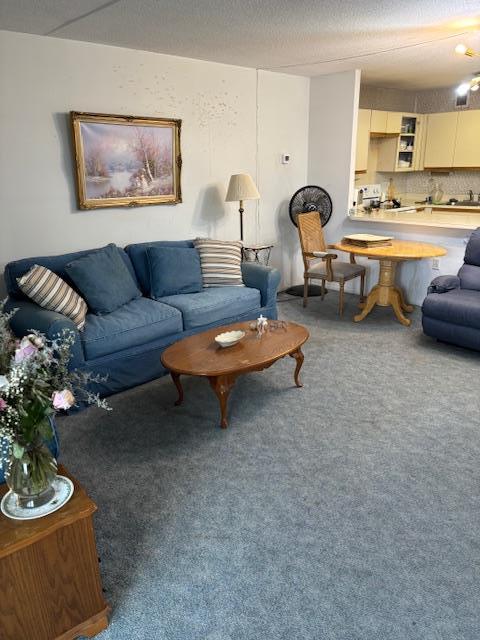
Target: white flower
(63,399)
(4,384)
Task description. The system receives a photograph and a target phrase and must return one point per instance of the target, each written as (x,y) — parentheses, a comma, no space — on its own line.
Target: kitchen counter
(439,216)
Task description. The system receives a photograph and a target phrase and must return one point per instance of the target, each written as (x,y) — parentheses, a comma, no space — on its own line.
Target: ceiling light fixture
(463,50)
(472,85)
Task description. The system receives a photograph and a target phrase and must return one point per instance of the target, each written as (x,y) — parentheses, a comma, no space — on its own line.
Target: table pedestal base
(386,294)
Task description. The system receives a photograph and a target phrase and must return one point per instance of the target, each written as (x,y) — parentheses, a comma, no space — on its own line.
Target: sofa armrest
(29,316)
(265,279)
(442,284)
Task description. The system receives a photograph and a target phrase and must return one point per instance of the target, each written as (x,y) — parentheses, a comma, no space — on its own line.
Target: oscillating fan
(306,199)
(311,198)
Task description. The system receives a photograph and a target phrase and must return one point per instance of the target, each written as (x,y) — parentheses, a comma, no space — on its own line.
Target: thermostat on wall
(285,158)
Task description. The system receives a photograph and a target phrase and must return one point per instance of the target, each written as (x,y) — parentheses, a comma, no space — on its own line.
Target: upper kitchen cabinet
(385,123)
(467,144)
(363,140)
(440,140)
(403,151)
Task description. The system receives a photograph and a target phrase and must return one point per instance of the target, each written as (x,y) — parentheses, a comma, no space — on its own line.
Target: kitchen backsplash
(455,183)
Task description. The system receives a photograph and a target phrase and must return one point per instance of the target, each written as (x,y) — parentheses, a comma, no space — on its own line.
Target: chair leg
(305,291)
(362,287)
(340,302)
(323,289)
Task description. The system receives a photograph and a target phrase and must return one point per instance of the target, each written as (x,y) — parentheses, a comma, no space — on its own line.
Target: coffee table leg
(222,385)
(178,384)
(299,357)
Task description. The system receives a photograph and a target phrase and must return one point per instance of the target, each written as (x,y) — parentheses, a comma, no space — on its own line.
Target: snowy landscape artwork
(126,161)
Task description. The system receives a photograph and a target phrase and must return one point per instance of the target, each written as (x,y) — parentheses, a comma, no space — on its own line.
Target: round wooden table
(386,293)
(199,355)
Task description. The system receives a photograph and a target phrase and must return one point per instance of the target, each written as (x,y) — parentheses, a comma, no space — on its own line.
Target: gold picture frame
(126,161)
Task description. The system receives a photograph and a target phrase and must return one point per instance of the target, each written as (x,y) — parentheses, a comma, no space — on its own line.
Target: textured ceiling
(407,44)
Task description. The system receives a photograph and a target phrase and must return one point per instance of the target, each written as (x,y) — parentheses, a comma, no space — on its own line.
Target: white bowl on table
(229,338)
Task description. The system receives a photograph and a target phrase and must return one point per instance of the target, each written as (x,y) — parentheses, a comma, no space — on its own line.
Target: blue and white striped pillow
(221,262)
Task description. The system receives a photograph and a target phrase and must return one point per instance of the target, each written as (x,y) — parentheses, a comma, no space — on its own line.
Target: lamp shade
(241,187)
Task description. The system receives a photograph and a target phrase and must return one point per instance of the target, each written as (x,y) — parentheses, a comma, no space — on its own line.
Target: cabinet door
(394,122)
(419,144)
(378,122)
(440,142)
(363,139)
(467,145)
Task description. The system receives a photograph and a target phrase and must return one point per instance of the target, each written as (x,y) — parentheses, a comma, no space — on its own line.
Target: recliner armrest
(442,284)
(30,316)
(265,279)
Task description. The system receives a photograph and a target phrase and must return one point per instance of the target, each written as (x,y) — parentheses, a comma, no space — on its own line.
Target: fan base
(313,290)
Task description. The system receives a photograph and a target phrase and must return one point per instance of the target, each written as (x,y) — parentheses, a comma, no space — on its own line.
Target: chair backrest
(311,234)
(469,274)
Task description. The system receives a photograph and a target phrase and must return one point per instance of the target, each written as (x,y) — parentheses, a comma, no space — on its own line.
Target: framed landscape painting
(125,161)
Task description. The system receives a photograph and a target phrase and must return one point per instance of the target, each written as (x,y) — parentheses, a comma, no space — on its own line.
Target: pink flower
(63,399)
(26,350)
(3,404)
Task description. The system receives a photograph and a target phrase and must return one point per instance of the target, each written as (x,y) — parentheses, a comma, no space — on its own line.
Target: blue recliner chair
(451,310)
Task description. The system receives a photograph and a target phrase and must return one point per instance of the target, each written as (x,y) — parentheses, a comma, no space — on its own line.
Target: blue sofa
(451,310)
(127,343)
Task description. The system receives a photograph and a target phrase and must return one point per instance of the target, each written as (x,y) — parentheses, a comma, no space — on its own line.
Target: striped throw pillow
(221,262)
(51,292)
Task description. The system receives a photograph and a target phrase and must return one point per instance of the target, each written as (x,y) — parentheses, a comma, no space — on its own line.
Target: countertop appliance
(370,193)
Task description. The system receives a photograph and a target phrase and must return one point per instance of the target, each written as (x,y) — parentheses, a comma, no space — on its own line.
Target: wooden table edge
(237,370)
(52,522)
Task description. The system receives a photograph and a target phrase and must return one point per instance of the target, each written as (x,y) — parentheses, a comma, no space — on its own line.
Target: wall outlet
(436,264)
(286,158)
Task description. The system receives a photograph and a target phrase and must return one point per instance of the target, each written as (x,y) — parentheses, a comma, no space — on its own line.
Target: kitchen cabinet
(440,140)
(394,122)
(378,122)
(385,122)
(363,140)
(403,151)
(467,142)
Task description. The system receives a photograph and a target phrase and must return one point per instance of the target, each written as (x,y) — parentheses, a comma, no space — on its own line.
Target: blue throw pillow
(103,279)
(174,270)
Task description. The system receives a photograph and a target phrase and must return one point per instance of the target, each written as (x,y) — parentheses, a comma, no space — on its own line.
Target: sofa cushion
(174,270)
(103,279)
(472,250)
(221,262)
(459,306)
(138,255)
(57,264)
(137,322)
(50,292)
(469,276)
(214,304)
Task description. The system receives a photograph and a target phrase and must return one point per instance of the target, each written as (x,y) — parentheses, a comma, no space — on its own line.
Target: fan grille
(311,198)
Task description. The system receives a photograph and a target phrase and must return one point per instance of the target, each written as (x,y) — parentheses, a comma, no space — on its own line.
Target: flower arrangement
(35,384)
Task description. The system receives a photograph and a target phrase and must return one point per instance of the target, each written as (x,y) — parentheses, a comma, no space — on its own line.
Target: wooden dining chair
(321,264)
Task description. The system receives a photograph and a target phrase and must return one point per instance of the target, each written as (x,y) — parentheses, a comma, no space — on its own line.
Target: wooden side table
(50,587)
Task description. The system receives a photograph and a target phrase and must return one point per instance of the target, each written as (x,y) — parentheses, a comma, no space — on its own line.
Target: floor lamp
(241,187)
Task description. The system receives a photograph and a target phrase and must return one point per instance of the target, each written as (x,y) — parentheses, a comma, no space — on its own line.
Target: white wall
(234,120)
(283,105)
(333,126)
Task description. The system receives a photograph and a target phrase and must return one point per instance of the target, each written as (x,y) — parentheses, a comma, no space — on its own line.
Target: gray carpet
(346,510)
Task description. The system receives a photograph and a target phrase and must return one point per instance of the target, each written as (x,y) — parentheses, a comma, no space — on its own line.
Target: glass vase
(30,477)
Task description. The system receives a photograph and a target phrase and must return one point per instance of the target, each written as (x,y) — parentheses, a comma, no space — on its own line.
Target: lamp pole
(241,210)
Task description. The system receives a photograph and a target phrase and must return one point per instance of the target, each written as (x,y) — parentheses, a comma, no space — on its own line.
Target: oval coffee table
(199,355)
(386,293)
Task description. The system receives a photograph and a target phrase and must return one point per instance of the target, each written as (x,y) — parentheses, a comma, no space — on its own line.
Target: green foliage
(33,375)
